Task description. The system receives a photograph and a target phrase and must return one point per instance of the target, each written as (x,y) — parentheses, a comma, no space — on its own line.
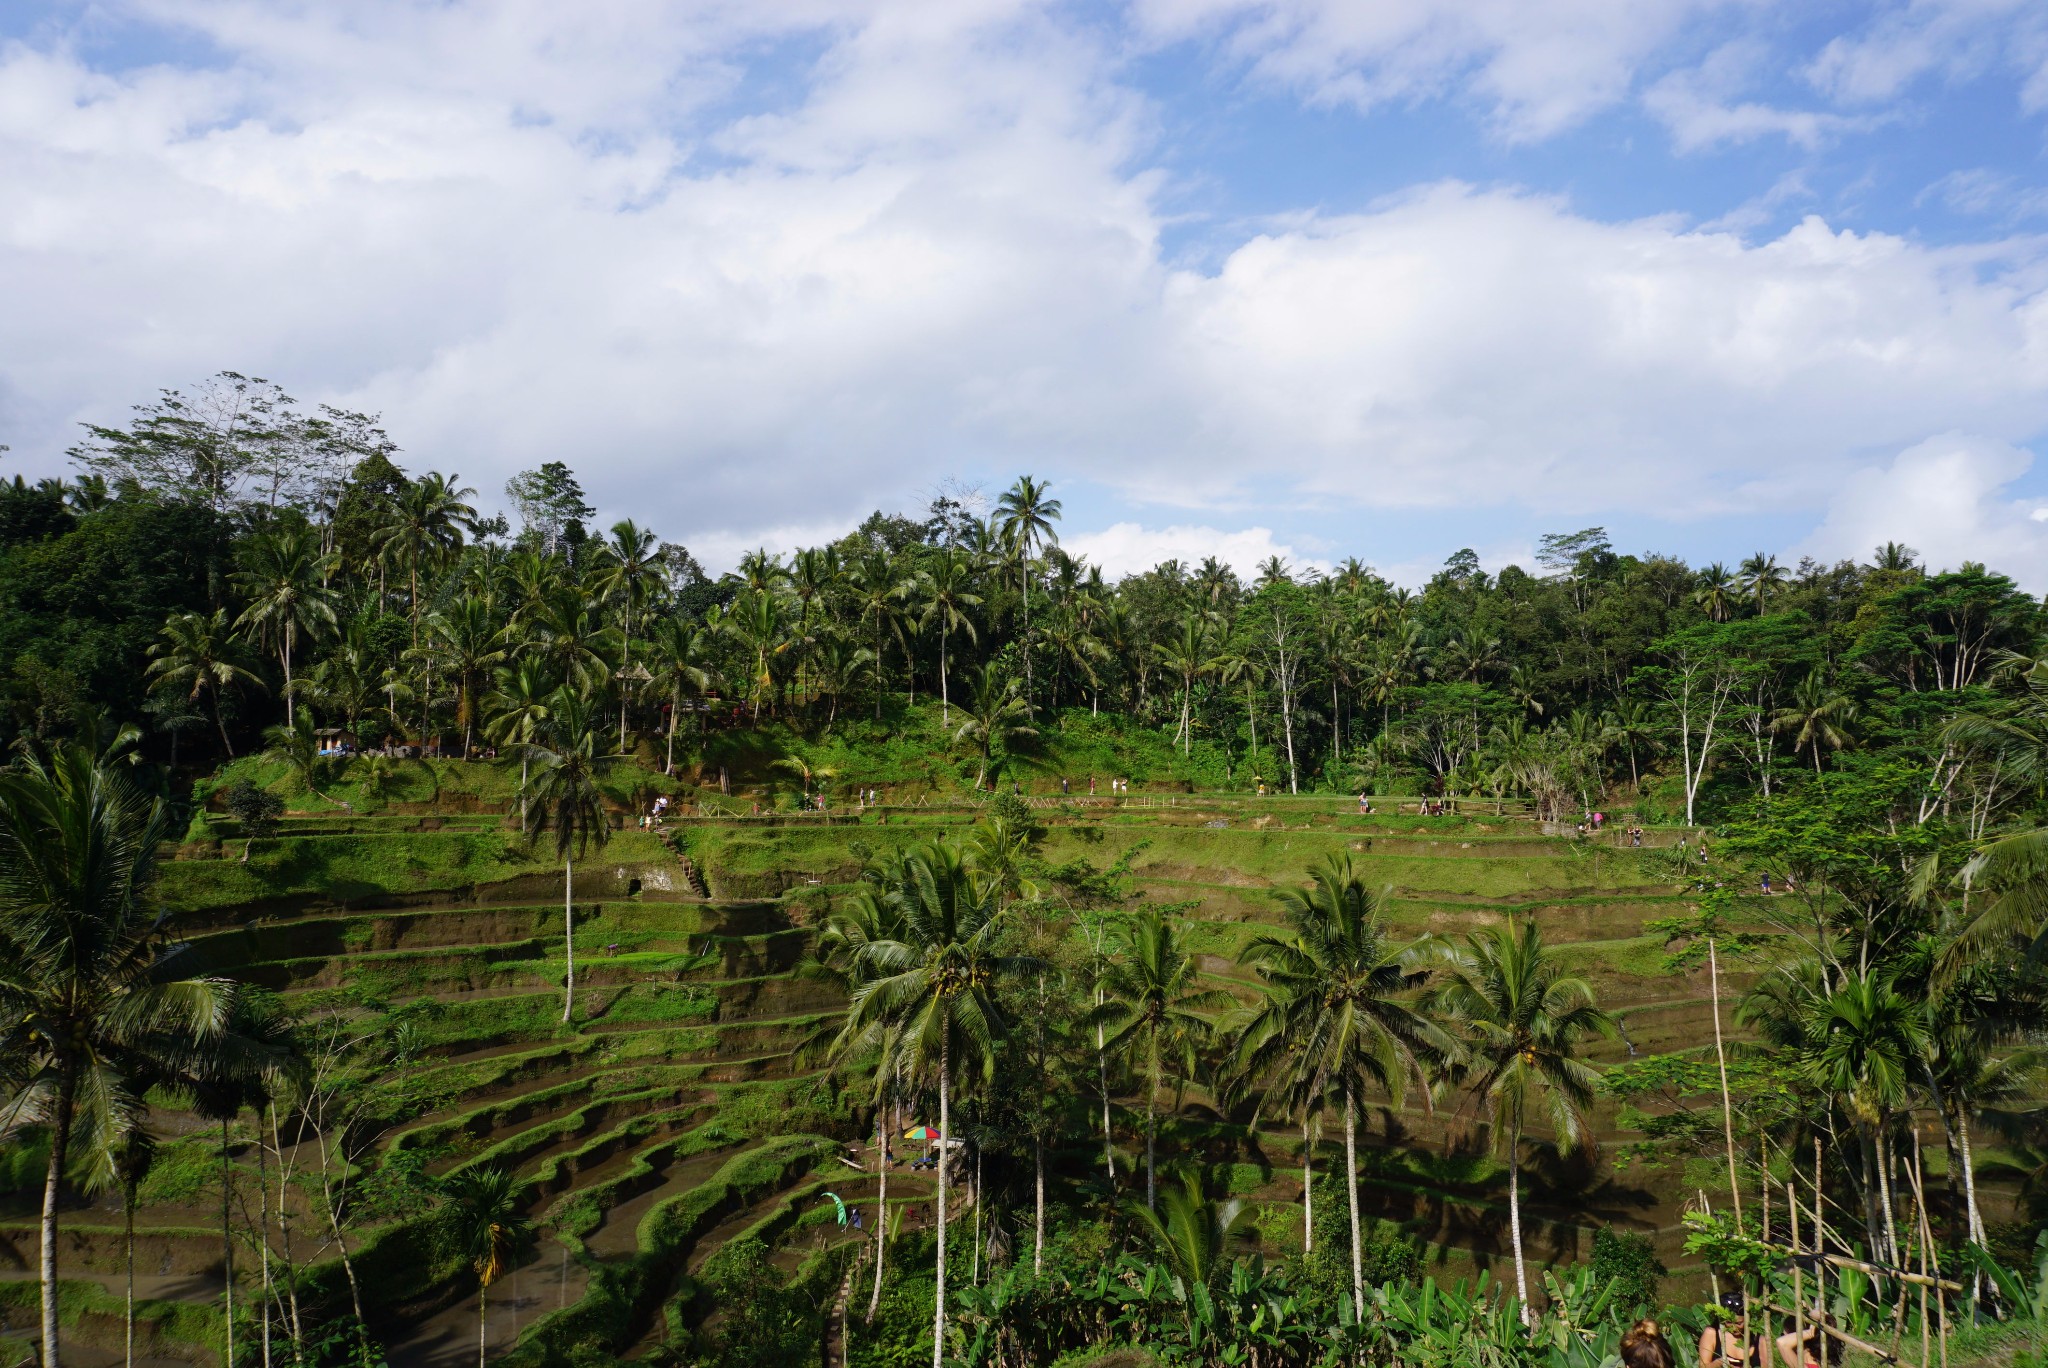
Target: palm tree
(1333,1019)
(1186,654)
(573,642)
(284,576)
(1194,1237)
(937,986)
(870,916)
(92,1009)
(997,712)
(1762,576)
(515,710)
(1525,1020)
(489,1227)
(200,651)
(568,759)
(1026,516)
(1152,1009)
(1716,592)
(464,639)
(297,744)
(755,621)
(632,566)
(427,521)
(676,650)
(948,578)
(879,587)
(1818,717)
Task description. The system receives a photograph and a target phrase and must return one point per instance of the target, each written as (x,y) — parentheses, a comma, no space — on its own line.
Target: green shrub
(1629,1261)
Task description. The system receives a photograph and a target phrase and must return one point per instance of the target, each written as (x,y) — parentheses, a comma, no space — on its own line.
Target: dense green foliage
(1844,767)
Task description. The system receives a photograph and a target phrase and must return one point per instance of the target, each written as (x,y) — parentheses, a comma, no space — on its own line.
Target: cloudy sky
(1329,277)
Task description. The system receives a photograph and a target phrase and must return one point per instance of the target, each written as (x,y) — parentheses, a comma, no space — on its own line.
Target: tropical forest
(434,936)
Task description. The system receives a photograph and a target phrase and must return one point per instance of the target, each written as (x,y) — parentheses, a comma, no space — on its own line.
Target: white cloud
(745,301)
(1948,498)
(1540,68)
(1128,548)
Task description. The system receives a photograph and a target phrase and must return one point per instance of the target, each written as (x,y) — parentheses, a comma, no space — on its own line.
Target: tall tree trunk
(128,1260)
(569,938)
(284,1229)
(1351,1195)
(1969,1167)
(1721,1059)
(1102,1081)
(1038,1200)
(483,1292)
(1308,1188)
(881,1201)
(60,1140)
(945,697)
(227,1245)
(263,1237)
(1515,1219)
(945,1124)
(1152,1130)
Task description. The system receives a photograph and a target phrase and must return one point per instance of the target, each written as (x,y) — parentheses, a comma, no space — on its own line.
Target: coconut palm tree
(938,986)
(1716,592)
(569,758)
(995,713)
(199,651)
(756,623)
(426,522)
(630,570)
(1195,1238)
(1334,1020)
(1524,1022)
(93,1007)
(878,588)
(1153,1012)
(947,585)
(283,576)
(1763,576)
(465,641)
(1026,515)
(490,1229)
(1818,717)
(869,917)
(675,649)
(515,710)
(1186,654)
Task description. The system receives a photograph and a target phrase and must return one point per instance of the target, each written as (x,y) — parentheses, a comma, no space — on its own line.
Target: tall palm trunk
(60,1140)
(1038,1232)
(128,1260)
(568,938)
(1152,1129)
(945,698)
(227,1243)
(945,1126)
(1515,1218)
(1102,1081)
(1308,1189)
(1351,1195)
(483,1293)
(881,1201)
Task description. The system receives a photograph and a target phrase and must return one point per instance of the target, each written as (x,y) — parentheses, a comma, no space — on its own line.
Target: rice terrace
(582,960)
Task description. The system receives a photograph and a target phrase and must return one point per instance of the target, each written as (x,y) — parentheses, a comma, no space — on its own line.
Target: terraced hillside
(678,1109)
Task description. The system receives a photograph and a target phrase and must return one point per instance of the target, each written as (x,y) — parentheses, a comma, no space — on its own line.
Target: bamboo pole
(1721,1059)
(1876,1351)
(1798,1277)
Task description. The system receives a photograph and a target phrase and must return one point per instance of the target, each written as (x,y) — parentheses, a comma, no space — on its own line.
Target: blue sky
(1320,277)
